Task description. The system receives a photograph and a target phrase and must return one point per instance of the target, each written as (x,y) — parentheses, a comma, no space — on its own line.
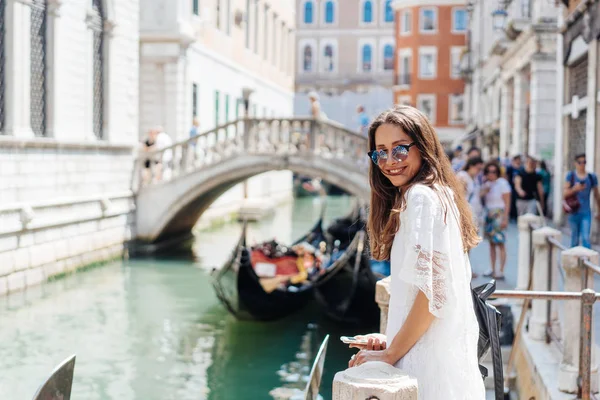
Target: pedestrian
(195,129)
(148,146)
(474,152)
(511,172)
(546,185)
(458,162)
(495,194)
(506,160)
(163,141)
(580,184)
(469,178)
(528,185)
(420,221)
(363,121)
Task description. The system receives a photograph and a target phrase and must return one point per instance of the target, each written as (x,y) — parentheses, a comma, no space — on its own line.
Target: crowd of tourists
(500,190)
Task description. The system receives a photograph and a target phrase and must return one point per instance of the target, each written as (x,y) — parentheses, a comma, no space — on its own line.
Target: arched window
(96,25)
(389,11)
(307,59)
(38,67)
(308,12)
(329,12)
(328,58)
(368,11)
(388,57)
(367,58)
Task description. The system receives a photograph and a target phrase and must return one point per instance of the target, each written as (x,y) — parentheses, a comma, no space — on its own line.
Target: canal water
(153,329)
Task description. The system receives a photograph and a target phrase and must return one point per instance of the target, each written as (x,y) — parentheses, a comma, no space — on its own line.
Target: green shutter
(216,108)
(226,108)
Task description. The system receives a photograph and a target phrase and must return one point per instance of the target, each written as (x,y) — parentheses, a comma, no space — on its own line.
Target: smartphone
(353,340)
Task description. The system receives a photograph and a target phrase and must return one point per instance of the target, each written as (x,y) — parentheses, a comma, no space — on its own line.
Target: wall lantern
(499,19)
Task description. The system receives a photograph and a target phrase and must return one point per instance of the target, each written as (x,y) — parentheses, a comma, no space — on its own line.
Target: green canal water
(153,329)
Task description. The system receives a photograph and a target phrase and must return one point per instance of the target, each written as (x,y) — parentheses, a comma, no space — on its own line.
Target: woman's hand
(364,356)
(504,223)
(377,341)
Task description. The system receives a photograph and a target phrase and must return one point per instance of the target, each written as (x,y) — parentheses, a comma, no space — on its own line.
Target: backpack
(489,320)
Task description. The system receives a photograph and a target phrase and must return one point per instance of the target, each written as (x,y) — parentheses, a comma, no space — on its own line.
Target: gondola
(348,295)
(239,288)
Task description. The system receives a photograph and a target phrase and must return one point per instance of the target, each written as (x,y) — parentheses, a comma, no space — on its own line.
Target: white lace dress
(427,255)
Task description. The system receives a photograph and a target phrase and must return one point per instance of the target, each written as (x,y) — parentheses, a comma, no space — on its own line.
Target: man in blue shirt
(582,184)
(363,120)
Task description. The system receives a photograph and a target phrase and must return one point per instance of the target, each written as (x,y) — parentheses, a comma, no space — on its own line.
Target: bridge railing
(255,136)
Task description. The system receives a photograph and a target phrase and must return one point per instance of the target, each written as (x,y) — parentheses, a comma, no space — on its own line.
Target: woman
(496,195)
(420,221)
(546,181)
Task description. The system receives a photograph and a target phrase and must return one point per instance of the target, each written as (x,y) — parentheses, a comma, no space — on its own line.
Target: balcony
(403,80)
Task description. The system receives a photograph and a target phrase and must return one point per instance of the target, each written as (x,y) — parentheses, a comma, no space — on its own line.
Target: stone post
(571,325)
(374,380)
(524,222)
(382,297)
(541,253)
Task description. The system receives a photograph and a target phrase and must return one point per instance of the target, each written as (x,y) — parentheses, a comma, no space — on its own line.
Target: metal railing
(587,297)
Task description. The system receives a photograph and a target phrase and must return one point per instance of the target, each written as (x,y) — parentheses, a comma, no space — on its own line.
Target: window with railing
(428,20)
(367,58)
(456,109)
(406,22)
(307,58)
(388,57)
(426,104)
(404,68)
(459,20)
(328,61)
(427,62)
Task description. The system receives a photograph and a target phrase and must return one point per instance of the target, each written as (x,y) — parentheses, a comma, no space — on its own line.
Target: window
(367,58)
(388,57)
(329,12)
(226,108)
(308,12)
(427,62)
(266,25)
(456,111)
(96,25)
(248,22)
(194,100)
(406,23)
(455,55)
(38,67)
(228,18)
(389,11)
(428,20)
(307,58)
(217,95)
(195,7)
(426,104)
(367,16)
(459,20)
(404,68)
(218,14)
(328,65)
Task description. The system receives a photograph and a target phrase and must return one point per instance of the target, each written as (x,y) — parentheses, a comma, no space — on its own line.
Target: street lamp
(246,93)
(499,19)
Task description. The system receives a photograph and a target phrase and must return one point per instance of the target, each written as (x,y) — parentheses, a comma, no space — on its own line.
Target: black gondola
(239,288)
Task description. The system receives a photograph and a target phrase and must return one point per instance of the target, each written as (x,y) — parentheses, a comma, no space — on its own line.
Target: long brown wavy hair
(387,201)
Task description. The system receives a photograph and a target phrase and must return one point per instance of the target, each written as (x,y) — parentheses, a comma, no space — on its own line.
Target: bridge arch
(172,208)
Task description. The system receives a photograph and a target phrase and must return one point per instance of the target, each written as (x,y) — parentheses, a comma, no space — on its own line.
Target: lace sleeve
(426,262)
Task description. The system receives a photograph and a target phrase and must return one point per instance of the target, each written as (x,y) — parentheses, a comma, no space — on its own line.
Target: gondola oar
(58,385)
(316,373)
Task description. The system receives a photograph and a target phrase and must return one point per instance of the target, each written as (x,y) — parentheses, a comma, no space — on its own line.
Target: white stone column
(505,111)
(541,253)
(518,113)
(542,123)
(374,379)
(557,181)
(18,66)
(571,325)
(53,62)
(524,222)
(592,108)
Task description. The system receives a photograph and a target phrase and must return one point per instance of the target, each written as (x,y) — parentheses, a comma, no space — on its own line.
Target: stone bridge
(197,171)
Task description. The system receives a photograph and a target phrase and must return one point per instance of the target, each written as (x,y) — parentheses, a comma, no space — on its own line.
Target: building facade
(510,71)
(577,78)
(346,55)
(68,130)
(430,41)
(197,56)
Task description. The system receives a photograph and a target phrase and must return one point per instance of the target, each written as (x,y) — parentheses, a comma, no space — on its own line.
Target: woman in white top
(420,221)
(495,194)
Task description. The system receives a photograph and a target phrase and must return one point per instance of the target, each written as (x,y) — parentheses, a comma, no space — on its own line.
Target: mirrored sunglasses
(399,154)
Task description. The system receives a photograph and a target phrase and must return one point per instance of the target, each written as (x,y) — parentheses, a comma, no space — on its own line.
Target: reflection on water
(151,330)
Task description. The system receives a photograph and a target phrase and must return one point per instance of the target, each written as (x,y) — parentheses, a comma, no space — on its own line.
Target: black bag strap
(486,290)
(497,358)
